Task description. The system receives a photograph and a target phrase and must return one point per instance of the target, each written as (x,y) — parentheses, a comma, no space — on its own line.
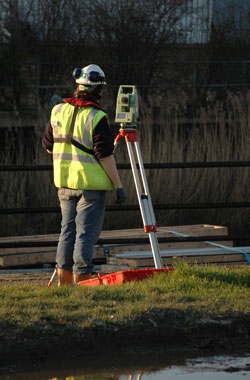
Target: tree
(43,31)
(130,39)
(229,47)
(134,35)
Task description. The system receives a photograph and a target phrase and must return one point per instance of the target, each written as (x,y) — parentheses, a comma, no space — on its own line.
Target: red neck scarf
(82,103)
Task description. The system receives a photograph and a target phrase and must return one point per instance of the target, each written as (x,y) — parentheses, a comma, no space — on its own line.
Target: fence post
(37,85)
(194,75)
(244,80)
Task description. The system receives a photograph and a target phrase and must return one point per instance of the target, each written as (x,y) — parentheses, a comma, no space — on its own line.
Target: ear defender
(77,73)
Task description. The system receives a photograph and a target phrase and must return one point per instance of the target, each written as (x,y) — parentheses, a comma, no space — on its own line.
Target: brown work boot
(80,277)
(64,277)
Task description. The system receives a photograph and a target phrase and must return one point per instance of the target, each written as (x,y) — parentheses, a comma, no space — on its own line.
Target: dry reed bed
(216,133)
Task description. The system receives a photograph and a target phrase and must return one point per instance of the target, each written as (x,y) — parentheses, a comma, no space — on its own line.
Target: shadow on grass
(237,277)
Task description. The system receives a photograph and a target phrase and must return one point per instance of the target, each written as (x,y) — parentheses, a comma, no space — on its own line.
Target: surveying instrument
(127,113)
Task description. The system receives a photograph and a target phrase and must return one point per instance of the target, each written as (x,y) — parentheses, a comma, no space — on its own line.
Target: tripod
(142,189)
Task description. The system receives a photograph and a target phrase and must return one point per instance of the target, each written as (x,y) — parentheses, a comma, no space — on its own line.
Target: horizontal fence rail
(168,165)
(172,206)
(231,74)
(187,206)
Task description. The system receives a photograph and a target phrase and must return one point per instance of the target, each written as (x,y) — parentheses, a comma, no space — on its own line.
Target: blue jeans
(82,219)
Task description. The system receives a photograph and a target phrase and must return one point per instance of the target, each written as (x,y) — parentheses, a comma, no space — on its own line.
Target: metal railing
(172,206)
(190,75)
(183,206)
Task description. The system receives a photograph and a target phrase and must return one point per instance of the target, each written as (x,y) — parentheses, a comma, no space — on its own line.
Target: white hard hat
(91,75)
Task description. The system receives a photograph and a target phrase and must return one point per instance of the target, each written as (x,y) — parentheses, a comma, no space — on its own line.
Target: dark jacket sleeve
(103,139)
(48,140)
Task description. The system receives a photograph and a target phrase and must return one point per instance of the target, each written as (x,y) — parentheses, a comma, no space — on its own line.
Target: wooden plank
(24,250)
(139,258)
(185,252)
(35,255)
(171,264)
(210,255)
(149,262)
(194,230)
(29,255)
(114,268)
(30,238)
(27,259)
(23,271)
(116,249)
(191,230)
(103,250)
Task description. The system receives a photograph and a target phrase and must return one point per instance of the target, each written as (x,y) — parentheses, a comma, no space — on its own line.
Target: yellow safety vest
(73,167)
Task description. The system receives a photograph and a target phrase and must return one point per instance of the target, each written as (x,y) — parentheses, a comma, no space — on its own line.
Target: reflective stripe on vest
(74,157)
(59,108)
(86,135)
(73,166)
(85,140)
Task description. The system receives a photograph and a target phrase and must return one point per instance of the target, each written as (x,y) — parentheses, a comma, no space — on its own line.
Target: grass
(190,308)
(196,292)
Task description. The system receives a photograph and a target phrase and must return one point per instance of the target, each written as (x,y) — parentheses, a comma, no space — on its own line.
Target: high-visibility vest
(73,167)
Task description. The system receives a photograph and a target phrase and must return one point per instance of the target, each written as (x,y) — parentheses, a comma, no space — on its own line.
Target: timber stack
(128,249)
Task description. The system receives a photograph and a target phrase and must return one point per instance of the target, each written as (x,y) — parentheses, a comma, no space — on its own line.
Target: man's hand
(120,196)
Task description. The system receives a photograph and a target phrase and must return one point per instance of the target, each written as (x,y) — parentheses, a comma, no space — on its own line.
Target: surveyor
(79,136)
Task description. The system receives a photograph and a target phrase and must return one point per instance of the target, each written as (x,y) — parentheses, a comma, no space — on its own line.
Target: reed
(215,133)
(218,133)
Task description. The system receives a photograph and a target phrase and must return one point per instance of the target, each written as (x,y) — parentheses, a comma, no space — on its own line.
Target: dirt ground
(38,278)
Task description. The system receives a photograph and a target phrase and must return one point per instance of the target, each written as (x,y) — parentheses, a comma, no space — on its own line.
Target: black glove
(120,196)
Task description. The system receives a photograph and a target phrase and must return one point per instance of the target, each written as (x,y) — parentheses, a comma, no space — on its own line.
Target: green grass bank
(197,308)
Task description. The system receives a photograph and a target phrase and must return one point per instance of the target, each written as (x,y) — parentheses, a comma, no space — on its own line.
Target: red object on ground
(124,276)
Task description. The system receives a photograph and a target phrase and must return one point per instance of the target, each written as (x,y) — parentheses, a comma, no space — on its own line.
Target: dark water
(170,367)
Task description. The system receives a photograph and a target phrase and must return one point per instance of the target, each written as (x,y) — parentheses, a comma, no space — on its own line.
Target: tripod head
(127,107)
